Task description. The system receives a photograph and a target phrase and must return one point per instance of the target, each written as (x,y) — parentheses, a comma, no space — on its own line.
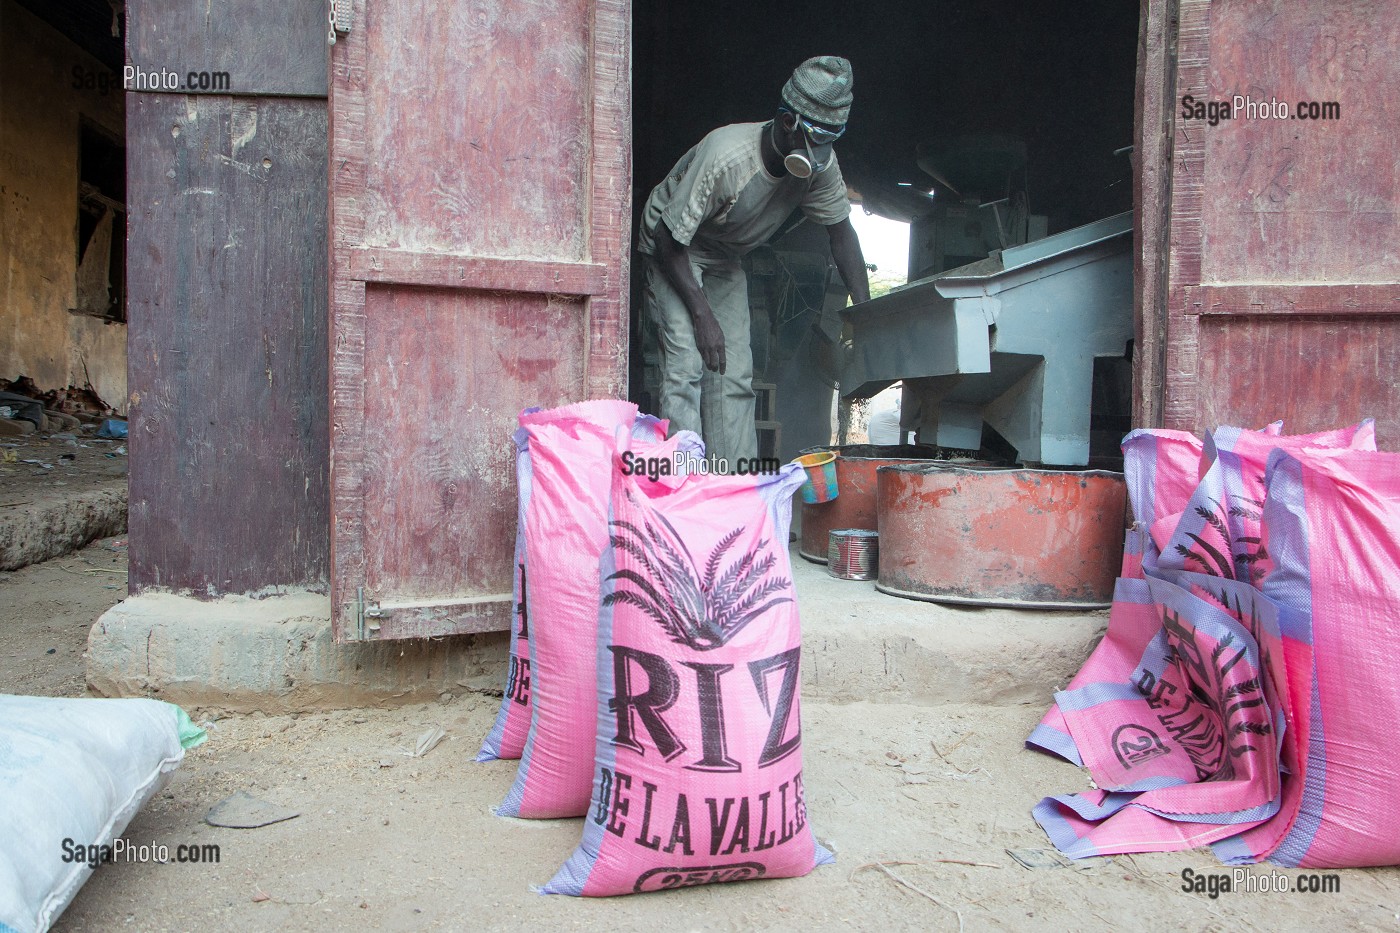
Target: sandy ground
(39,465)
(936,793)
(46,611)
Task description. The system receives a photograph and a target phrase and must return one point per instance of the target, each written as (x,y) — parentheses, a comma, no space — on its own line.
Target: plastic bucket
(856,466)
(821,476)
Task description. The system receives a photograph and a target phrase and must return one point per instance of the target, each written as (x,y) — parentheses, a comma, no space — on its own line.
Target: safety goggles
(819,135)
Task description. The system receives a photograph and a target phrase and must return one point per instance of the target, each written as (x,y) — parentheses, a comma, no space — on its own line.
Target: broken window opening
(101,241)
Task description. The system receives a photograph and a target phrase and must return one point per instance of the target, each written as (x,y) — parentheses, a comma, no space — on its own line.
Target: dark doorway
(1053,80)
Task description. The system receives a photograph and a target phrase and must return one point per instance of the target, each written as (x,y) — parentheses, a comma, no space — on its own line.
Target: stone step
(278,654)
(861,644)
(50,524)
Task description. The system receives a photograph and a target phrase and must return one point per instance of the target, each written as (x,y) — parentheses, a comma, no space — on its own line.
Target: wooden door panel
(1301,200)
(482,113)
(1280,291)
(247,50)
(480,203)
(446,372)
(1345,365)
(209,296)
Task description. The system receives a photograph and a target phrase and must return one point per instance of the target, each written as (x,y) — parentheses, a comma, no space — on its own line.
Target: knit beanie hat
(820,89)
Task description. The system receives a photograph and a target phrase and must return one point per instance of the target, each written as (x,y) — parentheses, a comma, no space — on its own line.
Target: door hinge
(341,17)
(367,616)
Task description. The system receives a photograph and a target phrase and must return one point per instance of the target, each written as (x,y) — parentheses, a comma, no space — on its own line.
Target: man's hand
(850,261)
(709,340)
(675,265)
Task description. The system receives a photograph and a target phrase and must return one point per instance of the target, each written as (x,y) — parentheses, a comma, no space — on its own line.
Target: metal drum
(1043,539)
(855,507)
(853,554)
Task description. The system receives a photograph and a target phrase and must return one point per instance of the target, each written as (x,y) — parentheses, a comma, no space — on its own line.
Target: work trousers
(719,407)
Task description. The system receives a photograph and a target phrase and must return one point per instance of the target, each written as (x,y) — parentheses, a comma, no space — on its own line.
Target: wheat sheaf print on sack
(700,610)
(698,772)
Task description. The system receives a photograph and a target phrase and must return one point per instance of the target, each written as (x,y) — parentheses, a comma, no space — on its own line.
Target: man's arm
(675,265)
(850,260)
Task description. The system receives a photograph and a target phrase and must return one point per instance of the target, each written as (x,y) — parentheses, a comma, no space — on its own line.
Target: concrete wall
(40,110)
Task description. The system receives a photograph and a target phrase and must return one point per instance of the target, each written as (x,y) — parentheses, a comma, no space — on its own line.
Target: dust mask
(798,164)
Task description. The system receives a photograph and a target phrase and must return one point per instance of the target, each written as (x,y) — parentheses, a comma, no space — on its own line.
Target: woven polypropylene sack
(1161,468)
(511,729)
(1319,633)
(1164,470)
(1332,525)
(566,529)
(698,777)
(1218,532)
(508,733)
(73,772)
(1185,751)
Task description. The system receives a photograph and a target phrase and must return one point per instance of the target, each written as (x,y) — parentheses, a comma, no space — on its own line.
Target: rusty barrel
(854,506)
(1035,539)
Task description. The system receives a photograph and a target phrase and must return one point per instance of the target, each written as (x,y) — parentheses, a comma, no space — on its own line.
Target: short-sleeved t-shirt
(721,201)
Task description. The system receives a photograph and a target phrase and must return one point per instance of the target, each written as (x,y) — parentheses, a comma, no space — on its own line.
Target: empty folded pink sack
(1278,589)
(1187,748)
(1177,488)
(1162,470)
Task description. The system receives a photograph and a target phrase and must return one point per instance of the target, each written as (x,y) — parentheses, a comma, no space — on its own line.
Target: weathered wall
(40,111)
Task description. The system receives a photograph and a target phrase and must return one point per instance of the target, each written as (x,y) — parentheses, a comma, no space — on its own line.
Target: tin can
(853,554)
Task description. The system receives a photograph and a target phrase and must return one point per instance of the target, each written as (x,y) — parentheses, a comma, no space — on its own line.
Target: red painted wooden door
(1281,297)
(480,179)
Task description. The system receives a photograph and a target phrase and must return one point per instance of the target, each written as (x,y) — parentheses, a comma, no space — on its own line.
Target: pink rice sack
(507,736)
(1275,686)
(1186,751)
(1218,533)
(512,725)
(1332,526)
(1164,471)
(698,773)
(1162,468)
(566,529)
